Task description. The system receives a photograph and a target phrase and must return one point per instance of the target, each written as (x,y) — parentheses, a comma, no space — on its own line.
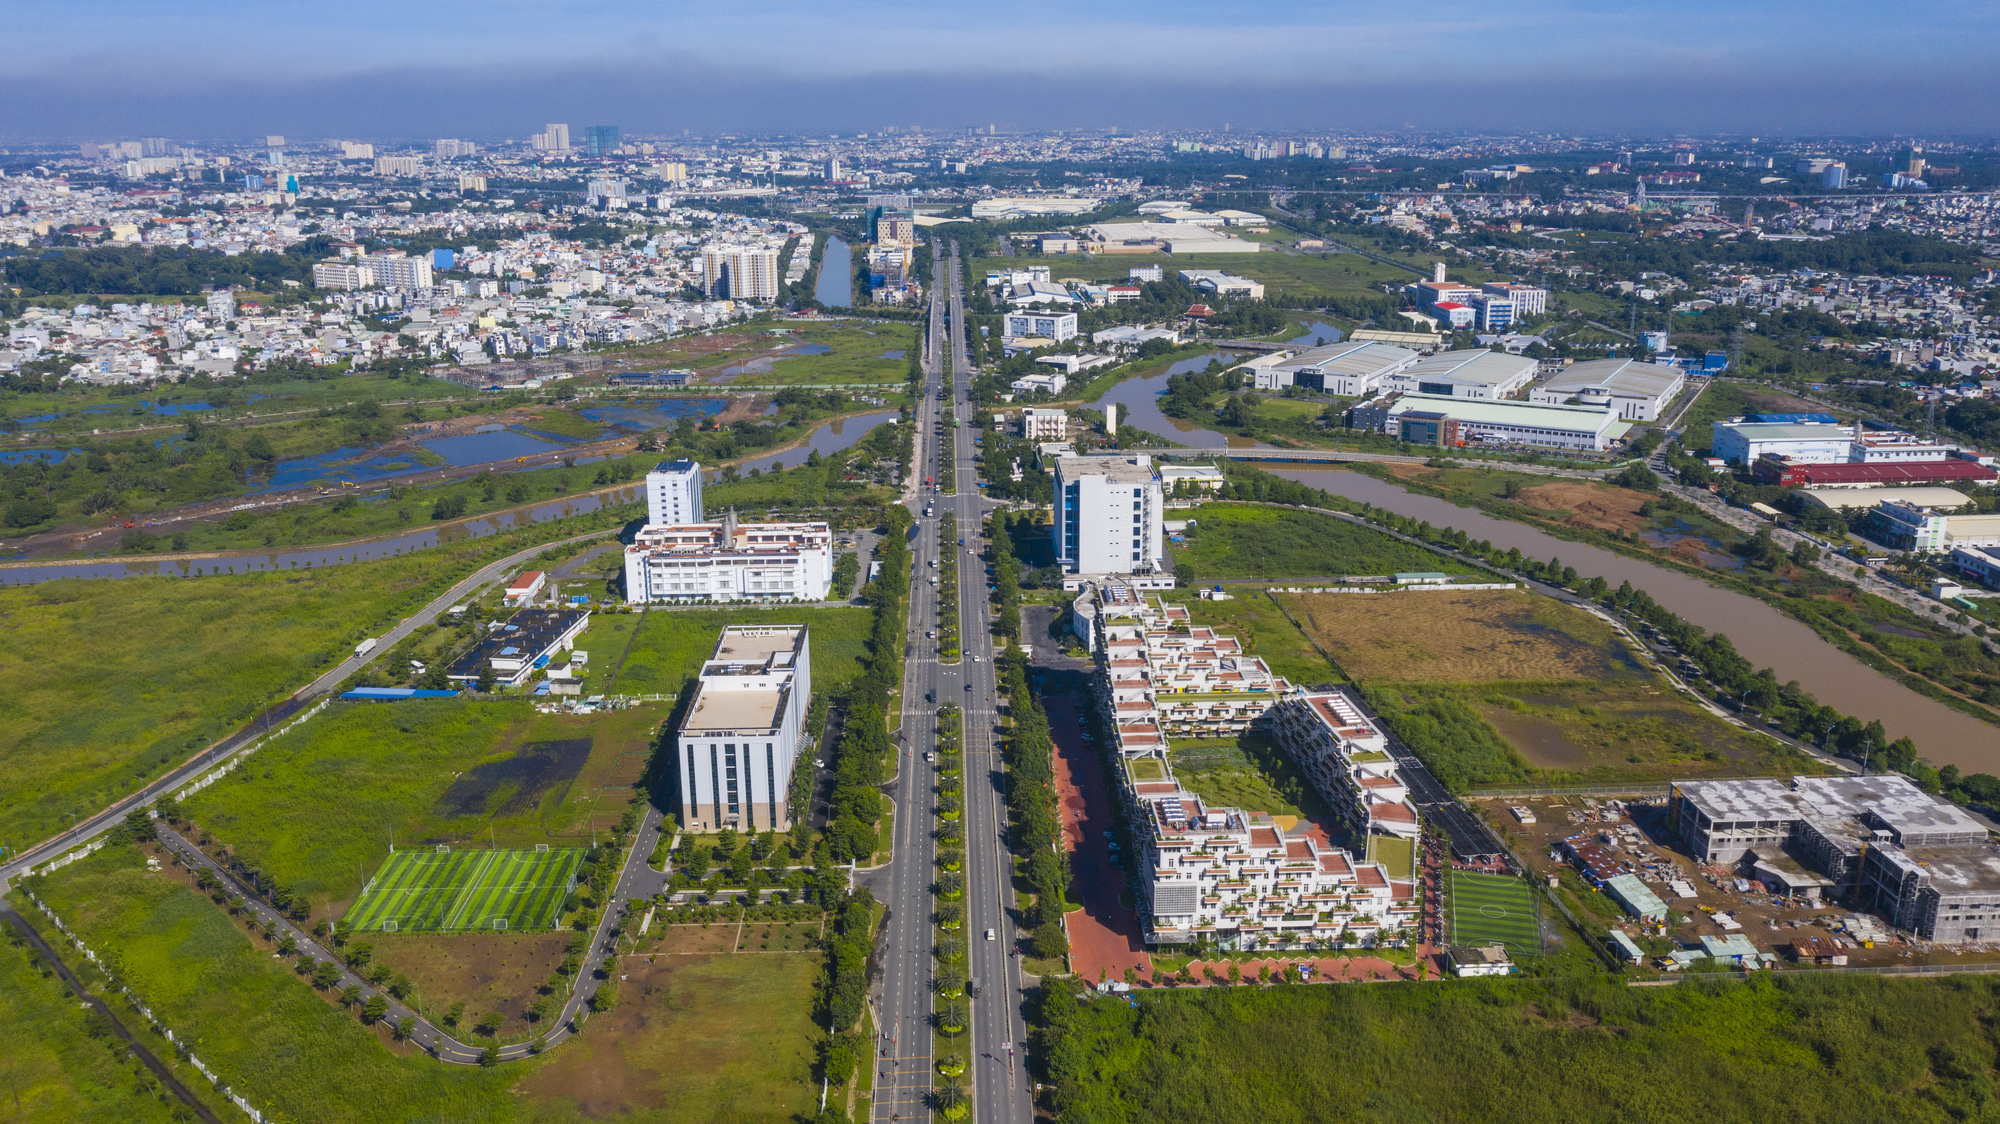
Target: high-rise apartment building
(741,273)
(552,138)
(1108,516)
(397,270)
(399,165)
(153,146)
(673,493)
(447,148)
(355,150)
(743,729)
(833,168)
(598,140)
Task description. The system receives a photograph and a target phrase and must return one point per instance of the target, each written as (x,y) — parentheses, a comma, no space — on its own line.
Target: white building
(740,272)
(331,275)
(399,165)
(1638,391)
(1439,420)
(1024,206)
(673,493)
(1044,425)
(1353,368)
(1243,879)
(1052,326)
(744,725)
(730,561)
(1223,284)
(1051,383)
(1347,760)
(1109,516)
(1474,373)
(395,269)
(1745,442)
(1528,300)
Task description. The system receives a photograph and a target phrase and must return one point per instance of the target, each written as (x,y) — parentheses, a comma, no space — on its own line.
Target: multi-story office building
(730,561)
(673,493)
(1044,425)
(1242,879)
(1108,516)
(1528,300)
(743,729)
(740,272)
(332,275)
(1054,327)
(599,140)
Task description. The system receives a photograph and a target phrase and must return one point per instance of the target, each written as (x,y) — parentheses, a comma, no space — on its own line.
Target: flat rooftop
(1625,376)
(756,708)
(1472,367)
(757,644)
(1893,799)
(1962,868)
(1119,470)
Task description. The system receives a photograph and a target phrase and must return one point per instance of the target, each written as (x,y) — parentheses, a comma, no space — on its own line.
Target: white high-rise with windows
(740,273)
(673,493)
(744,724)
(1109,516)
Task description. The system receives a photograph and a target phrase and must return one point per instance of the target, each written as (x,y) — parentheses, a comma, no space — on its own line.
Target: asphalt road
(99,823)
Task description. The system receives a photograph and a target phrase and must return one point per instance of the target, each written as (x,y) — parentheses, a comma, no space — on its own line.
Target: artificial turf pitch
(1491,909)
(457,891)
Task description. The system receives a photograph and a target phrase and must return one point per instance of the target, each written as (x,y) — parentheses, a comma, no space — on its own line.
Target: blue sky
(500,67)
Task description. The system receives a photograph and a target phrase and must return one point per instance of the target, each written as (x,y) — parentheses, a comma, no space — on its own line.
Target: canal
(835,286)
(1765,636)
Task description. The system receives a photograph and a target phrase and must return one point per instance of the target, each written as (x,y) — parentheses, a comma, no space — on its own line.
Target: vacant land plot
(670,645)
(1492,909)
(693,1040)
(260,1027)
(456,891)
(1589,505)
(488,972)
(1310,276)
(1478,636)
(58,1061)
(320,804)
(105,684)
(1627,731)
(1232,541)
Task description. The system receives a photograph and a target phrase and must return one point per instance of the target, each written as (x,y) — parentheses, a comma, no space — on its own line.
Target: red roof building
(1777,470)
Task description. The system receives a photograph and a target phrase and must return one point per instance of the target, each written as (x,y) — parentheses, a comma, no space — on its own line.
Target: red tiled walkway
(1104,936)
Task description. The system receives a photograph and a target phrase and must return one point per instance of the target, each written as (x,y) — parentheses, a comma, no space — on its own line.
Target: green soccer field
(1491,909)
(457,891)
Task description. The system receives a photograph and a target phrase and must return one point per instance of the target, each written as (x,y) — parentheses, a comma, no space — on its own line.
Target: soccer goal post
(541,848)
(499,922)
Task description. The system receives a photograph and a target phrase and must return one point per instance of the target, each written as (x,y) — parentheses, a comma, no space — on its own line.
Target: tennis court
(1494,909)
(456,891)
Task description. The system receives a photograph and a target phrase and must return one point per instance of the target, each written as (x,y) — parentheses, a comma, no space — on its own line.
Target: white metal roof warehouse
(1351,369)
(1468,374)
(1638,390)
(1520,423)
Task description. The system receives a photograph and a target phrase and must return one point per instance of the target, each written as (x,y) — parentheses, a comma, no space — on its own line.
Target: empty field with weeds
(1478,636)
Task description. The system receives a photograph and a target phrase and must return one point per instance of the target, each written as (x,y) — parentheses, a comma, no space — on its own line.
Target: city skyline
(221,69)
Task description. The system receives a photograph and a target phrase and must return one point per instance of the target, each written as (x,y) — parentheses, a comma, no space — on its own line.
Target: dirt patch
(695,940)
(1539,740)
(517,783)
(1479,636)
(1588,505)
(486,971)
(1409,471)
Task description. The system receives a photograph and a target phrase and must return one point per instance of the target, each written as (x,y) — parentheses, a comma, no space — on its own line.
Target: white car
(989,935)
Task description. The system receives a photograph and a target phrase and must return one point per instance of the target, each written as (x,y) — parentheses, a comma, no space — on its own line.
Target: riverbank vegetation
(1228,541)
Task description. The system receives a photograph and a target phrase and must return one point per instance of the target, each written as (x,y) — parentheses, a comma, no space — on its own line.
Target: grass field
(695,1039)
(460,891)
(270,1036)
(1247,772)
(670,645)
(105,684)
(1493,909)
(317,806)
(1479,636)
(1233,541)
(1790,1047)
(60,1063)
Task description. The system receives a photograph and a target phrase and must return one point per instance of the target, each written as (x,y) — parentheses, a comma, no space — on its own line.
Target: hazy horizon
(228,68)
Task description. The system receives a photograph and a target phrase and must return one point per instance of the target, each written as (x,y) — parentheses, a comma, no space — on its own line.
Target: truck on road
(366,646)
